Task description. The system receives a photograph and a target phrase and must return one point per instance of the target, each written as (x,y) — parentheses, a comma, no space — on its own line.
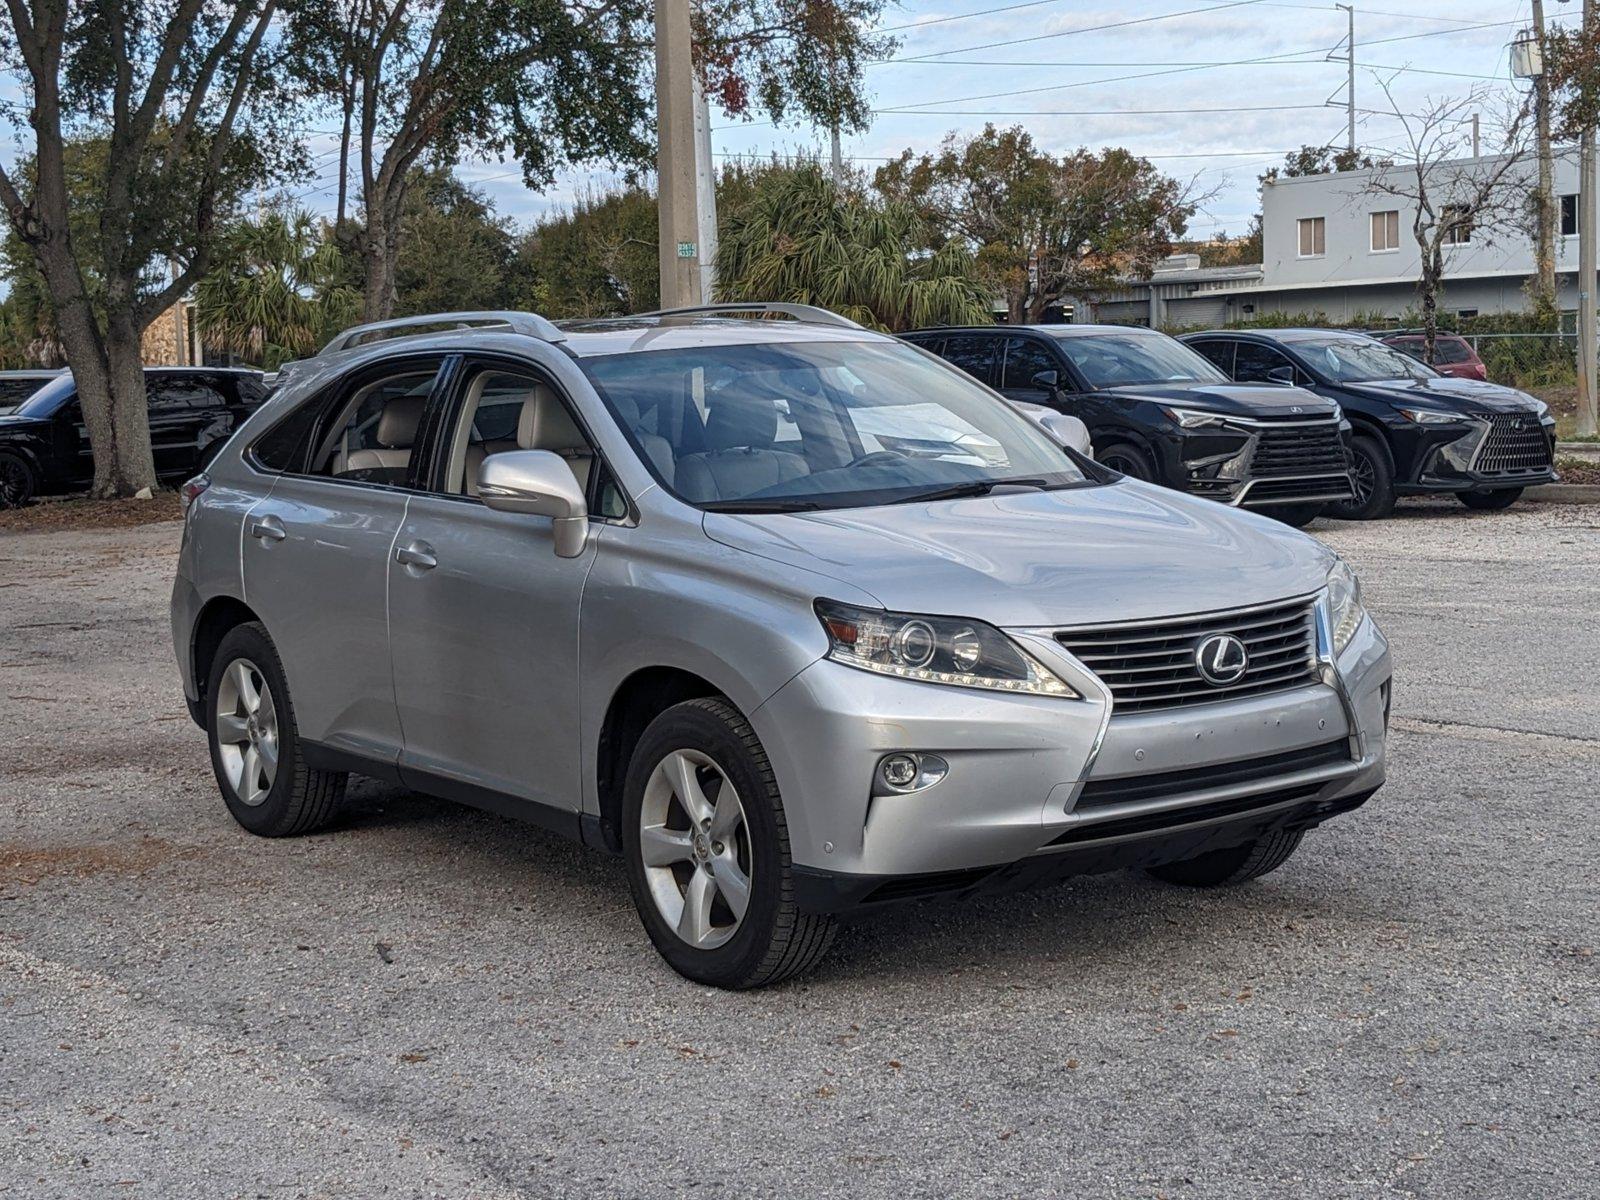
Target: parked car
(1159,412)
(17,386)
(44,447)
(1452,355)
(1414,431)
(592,576)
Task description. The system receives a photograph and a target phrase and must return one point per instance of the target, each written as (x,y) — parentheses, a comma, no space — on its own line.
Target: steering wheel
(877,457)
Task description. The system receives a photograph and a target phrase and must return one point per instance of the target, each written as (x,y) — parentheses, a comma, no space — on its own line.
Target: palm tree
(278,292)
(801,239)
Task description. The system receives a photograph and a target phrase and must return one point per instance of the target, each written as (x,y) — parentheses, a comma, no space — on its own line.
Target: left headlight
(1430,416)
(950,650)
(1344,605)
(1194,418)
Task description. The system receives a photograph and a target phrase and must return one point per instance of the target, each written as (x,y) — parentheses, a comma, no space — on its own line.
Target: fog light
(911,772)
(900,770)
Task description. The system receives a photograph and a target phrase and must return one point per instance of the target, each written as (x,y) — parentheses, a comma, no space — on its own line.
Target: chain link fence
(1533,362)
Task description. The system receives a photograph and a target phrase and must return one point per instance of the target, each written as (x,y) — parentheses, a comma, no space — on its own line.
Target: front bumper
(1041,788)
(1261,464)
(1462,459)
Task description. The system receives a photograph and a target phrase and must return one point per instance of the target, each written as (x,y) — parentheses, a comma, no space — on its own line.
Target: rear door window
(973,354)
(1253,363)
(1219,351)
(1025,358)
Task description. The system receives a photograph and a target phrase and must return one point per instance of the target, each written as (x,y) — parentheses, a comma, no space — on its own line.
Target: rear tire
(1223,868)
(723,877)
(1127,459)
(1372,473)
(255,743)
(1296,516)
(17,481)
(1490,501)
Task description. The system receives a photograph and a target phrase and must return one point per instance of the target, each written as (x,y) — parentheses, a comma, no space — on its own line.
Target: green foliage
(1572,68)
(276,292)
(1083,220)
(1323,160)
(457,253)
(599,258)
(801,239)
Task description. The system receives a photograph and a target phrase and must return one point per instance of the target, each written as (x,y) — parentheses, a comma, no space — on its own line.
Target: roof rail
(809,313)
(525,323)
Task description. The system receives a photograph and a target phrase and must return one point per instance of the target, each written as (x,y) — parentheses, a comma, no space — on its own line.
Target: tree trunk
(1432,269)
(1016,306)
(1037,304)
(349,103)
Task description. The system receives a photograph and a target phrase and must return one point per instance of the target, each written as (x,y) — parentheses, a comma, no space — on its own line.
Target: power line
(1041,37)
(982,12)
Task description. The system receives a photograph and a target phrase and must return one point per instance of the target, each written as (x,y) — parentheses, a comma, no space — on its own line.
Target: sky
(1223,120)
(1212,91)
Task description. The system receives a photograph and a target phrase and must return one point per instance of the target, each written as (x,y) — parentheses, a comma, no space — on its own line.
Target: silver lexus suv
(794,616)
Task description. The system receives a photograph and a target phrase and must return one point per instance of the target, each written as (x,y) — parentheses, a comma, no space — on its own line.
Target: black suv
(1413,429)
(44,446)
(1159,412)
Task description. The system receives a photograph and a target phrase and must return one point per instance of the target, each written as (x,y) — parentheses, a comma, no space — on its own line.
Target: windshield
(1111,360)
(806,425)
(1353,360)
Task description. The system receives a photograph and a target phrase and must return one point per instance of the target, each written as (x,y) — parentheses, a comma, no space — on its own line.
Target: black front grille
(1099,793)
(1516,445)
(1165,819)
(1321,487)
(1151,664)
(1309,449)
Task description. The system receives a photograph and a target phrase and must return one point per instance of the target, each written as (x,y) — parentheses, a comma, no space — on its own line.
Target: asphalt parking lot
(432,1001)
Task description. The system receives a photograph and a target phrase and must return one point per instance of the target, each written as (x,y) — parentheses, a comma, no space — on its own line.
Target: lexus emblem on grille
(1221,659)
(1294,408)
(1517,423)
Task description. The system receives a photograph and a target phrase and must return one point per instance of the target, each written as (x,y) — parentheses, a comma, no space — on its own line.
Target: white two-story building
(1332,245)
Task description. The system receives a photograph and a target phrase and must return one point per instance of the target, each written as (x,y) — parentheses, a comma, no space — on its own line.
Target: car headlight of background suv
(951,650)
(1428,416)
(1344,605)
(1194,418)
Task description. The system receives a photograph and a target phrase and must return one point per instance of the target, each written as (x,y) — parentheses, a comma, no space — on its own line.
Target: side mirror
(538,483)
(1281,375)
(1048,381)
(1068,431)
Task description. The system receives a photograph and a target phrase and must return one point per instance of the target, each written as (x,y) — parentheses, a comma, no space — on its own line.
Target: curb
(1588,451)
(1564,493)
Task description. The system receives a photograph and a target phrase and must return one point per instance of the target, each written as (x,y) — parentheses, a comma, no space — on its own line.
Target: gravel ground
(431,1001)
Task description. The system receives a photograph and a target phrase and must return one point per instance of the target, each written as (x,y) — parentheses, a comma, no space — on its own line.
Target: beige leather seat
(396,435)
(546,425)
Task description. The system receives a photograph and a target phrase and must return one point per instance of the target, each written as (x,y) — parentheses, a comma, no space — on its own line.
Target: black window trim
(332,399)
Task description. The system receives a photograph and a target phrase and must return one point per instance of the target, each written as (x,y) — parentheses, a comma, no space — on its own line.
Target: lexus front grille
(1310,448)
(1151,665)
(1516,445)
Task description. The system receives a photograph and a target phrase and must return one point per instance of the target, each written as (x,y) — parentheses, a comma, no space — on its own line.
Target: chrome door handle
(268,529)
(417,554)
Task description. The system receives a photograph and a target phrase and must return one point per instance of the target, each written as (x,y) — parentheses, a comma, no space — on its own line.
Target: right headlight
(1344,605)
(951,650)
(1194,418)
(1429,416)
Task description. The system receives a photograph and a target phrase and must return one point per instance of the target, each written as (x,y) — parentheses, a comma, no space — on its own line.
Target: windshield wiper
(975,487)
(761,506)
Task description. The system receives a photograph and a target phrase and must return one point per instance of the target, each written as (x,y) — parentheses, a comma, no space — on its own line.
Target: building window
(1457,220)
(1569,215)
(1385,231)
(1313,237)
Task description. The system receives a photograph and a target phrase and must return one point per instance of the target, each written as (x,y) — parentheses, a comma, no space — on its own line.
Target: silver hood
(1119,552)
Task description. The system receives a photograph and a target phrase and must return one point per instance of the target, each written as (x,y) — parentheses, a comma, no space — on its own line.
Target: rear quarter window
(285,446)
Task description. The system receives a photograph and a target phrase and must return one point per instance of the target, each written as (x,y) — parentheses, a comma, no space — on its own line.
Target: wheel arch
(636,701)
(217,616)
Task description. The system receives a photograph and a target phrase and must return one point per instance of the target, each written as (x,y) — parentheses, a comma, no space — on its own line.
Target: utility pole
(1350,78)
(836,156)
(705,184)
(678,227)
(1587,332)
(1548,216)
(1476,151)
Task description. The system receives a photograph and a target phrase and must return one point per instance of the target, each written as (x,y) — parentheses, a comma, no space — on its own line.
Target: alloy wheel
(247,731)
(1362,478)
(695,848)
(14,483)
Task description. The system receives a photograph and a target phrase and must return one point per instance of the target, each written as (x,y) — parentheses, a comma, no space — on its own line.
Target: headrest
(546,425)
(397,426)
(627,408)
(742,421)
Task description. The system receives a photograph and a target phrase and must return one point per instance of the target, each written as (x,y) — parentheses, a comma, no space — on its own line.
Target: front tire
(255,743)
(17,481)
(1296,516)
(1372,474)
(1127,459)
(1236,864)
(1490,501)
(707,850)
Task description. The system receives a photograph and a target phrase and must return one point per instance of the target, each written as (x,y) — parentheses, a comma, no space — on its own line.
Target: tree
(1322,160)
(1454,199)
(598,259)
(550,83)
(1043,227)
(802,239)
(178,90)
(1572,67)
(457,253)
(276,292)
